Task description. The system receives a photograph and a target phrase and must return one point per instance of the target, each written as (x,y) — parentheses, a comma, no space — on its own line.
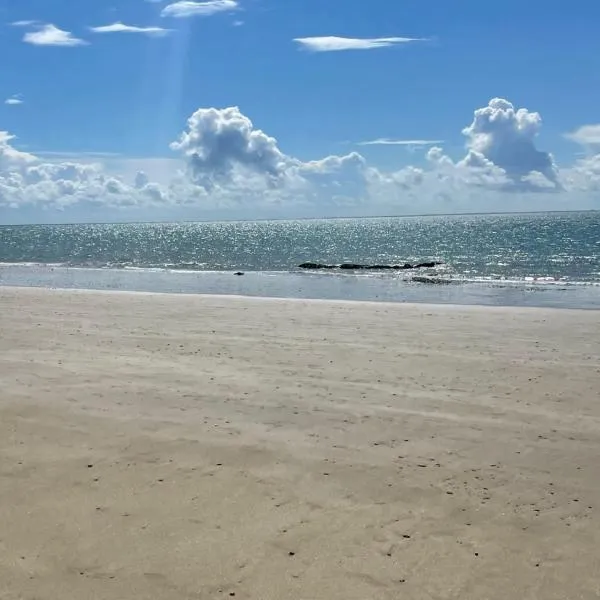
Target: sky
(240,109)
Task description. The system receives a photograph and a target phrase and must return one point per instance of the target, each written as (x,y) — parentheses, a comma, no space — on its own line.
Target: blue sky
(70,95)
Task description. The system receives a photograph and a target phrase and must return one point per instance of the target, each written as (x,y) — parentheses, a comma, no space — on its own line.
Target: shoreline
(339,287)
(391,273)
(291,300)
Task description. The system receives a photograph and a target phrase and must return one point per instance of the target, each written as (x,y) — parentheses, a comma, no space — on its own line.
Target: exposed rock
(311,265)
(357,267)
(431,280)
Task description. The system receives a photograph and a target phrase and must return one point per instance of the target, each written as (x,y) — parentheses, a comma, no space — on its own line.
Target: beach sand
(189,447)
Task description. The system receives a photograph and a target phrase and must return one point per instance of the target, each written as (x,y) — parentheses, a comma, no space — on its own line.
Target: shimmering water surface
(484,256)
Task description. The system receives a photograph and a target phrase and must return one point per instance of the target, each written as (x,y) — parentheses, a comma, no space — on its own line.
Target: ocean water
(548,259)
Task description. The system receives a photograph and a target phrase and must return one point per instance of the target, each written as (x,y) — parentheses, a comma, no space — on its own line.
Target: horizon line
(283,219)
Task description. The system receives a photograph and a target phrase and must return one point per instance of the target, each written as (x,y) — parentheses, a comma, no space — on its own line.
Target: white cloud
(50,35)
(24,23)
(217,141)
(162,170)
(586,135)
(501,170)
(10,157)
(506,137)
(584,175)
(15,100)
(188,8)
(334,43)
(389,142)
(120,27)
(25,180)
(222,162)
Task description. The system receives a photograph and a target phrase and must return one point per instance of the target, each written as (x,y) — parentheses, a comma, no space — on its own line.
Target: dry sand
(179,447)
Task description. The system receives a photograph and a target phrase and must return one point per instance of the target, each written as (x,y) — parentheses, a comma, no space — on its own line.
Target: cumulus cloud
(218,140)
(11,158)
(120,27)
(224,162)
(26,180)
(188,8)
(584,175)
(228,157)
(50,35)
(506,138)
(333,180)
(332,43)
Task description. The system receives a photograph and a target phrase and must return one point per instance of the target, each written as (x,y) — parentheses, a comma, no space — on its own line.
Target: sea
(543,259)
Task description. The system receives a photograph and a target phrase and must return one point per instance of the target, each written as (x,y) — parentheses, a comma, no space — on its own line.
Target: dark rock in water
(357,267)
(238,273)
(432,280)
(311,265)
